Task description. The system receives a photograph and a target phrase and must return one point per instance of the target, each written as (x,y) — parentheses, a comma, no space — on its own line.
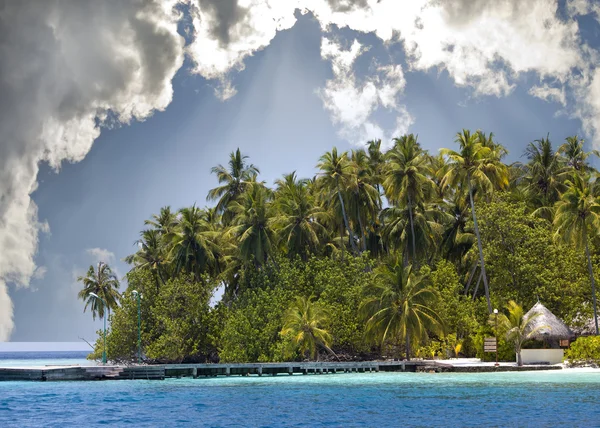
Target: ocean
(532,399)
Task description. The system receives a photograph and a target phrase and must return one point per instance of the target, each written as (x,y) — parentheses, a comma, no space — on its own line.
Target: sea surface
(569,398)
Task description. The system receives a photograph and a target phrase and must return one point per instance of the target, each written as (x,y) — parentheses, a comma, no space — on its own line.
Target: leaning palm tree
(233,182)
(103,283)
(517,327)
(336,173)
(578,214)
(476,166)
(398,305)
(151,255)
(304,321)
(406,178)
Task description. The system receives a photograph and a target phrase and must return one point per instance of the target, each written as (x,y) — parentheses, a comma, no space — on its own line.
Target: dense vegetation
(381,254)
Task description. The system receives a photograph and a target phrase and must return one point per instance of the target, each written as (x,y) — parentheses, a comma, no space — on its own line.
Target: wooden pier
(160,372)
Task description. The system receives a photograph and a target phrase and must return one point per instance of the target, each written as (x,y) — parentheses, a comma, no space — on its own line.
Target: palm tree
(193,246)
(299,219)
(304,321)
(234,181)
(365,200)
(164,222)
(102,282)
(253,222)
(574,154)
(426,228)
(517,327)
(336,172)
(398,305)
(151,255)
(406,178)
(543,175)
(479,167)
(577,213)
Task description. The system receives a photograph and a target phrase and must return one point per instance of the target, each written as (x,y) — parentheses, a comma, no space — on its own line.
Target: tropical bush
(585,350)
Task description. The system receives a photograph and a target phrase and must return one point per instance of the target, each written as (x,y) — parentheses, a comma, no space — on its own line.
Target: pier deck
(159,372)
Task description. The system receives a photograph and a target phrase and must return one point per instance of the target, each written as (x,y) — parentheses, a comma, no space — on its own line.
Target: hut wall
(552,356)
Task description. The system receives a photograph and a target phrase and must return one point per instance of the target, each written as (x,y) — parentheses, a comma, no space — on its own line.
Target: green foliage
(516,246)
(331,237)
(585,350)
(176,321)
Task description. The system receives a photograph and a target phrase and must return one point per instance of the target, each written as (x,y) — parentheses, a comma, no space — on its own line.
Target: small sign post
(489,344)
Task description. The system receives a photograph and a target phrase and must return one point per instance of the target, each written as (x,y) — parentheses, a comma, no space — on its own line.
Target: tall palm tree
(543,175)
(365,200)
(299,219)
(517,327)
(376,162)
(193,246)
(406,178)
(151,255)
(475,166)
(304,321)
(336,173)
(574,154)
(164,222)
(102,282)
(233,181)
(253,224)
(398,305)
(578,213)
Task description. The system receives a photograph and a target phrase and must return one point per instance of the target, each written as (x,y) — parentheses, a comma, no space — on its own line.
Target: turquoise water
(536,399)
(30,359)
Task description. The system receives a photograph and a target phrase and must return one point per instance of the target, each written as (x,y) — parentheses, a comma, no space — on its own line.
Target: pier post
(194,372)
(290,370)
(260,371)
(227,371)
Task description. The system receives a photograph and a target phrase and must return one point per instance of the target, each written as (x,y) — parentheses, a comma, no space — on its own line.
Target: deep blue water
(536,399)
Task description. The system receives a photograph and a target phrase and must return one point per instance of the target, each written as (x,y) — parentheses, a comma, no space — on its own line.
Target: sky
(111,110)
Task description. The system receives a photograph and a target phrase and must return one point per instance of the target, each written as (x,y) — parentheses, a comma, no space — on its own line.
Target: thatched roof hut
(553,328)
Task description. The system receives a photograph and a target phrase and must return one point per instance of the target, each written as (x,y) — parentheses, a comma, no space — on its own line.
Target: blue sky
(280,117)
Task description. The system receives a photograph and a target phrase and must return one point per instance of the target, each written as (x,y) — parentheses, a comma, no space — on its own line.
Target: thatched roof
(553,328)
(588,327)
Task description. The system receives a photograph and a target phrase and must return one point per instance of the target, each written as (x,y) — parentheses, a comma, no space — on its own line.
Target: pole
(139,329)
(94,295)
(104,350)
(496,316)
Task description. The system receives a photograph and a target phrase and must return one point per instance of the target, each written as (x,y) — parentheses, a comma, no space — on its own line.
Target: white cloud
(101,255)
(549,93)
(483,45)
(40,272)
(64,68)
(352,104)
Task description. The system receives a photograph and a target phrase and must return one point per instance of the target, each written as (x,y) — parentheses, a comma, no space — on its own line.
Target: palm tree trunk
(352,243)
(407,347)
(591,272)
(519,359)
(362,230)
(471,276)
(412,231)
(485,281)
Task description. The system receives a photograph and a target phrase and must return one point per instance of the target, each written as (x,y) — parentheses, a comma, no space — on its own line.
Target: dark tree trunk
(476,227)
(352,243)
(591,272)
(412,231)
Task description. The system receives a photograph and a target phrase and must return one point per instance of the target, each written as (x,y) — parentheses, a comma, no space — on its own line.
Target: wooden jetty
(160,372)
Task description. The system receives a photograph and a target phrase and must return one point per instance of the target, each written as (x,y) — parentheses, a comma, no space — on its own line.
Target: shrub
(585,350)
